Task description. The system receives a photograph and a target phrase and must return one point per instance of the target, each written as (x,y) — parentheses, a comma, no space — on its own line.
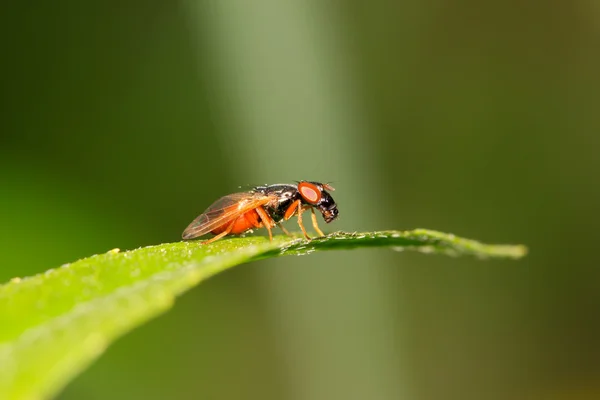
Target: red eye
(309,192)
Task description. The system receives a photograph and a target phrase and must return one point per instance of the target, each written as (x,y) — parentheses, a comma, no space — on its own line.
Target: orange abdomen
(244,222)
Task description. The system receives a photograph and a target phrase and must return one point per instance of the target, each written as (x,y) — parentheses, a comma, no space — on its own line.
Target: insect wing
(223,211)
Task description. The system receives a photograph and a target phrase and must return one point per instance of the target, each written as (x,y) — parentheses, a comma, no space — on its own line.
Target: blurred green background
(121,121)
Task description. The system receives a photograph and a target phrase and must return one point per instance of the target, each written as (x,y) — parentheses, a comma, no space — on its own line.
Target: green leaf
(54,324)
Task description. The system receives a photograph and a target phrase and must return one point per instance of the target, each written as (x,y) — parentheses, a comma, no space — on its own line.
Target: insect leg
(220,235)
(314,222)
(291,210)
(300,209)
(267,221)
(283,229)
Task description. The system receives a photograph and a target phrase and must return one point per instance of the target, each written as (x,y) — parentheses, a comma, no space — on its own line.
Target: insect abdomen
(244,222)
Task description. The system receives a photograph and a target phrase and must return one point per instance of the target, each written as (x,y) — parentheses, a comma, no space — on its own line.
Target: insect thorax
(284,195)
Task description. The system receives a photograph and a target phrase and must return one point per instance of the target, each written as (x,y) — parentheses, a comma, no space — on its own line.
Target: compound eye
(309,192)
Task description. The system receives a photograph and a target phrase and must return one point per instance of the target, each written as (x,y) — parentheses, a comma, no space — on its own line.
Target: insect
(264,206)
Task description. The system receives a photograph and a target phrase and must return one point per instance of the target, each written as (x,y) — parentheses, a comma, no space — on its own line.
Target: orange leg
(300,209)
(288,214)
(267,221)
(220,235)
(314,222)
(283,229)
(291,210)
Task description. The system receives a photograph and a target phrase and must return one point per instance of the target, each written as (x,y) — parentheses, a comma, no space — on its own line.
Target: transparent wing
(223,211)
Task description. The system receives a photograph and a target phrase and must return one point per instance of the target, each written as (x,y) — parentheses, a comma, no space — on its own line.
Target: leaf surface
(53,325)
